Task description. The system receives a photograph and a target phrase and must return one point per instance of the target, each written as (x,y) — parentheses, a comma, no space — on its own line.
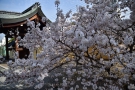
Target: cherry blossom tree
(74,48)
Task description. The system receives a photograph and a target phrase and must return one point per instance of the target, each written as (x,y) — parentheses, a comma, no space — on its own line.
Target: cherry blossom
(89,44)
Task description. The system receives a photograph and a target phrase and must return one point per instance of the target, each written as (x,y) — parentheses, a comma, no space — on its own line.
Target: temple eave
(20,23)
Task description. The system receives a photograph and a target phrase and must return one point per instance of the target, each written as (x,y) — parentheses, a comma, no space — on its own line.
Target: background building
(16,23)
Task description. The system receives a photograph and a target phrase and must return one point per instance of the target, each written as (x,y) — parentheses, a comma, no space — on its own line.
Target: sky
(48,7)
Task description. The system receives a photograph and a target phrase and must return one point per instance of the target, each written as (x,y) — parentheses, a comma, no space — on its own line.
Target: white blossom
(95,44)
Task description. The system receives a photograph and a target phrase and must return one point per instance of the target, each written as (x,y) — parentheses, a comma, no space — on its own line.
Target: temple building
(16,22)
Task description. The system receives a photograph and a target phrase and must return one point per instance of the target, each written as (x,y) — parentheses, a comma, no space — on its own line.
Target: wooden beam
(21,23)
(19,49)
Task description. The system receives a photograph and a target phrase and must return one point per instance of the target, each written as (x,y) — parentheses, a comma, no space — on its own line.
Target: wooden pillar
(7,50)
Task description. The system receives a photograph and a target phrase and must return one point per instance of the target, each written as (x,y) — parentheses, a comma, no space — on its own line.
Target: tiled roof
(7,17)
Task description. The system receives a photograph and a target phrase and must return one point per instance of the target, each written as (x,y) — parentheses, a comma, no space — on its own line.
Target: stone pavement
(4,66)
